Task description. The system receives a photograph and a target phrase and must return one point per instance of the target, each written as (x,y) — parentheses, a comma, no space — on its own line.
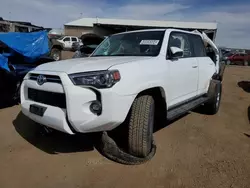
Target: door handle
(195,66)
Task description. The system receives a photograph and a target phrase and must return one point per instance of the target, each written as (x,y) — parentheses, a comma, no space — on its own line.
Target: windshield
(60,38)
(144,43)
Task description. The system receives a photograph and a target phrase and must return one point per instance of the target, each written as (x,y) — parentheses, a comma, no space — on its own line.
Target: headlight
(98,79)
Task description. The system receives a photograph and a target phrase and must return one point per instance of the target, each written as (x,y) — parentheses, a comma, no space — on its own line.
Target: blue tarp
(30,45)
(4,62)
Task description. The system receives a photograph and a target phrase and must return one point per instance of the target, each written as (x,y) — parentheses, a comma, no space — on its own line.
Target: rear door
(73,40)
(183,72)
(207,67)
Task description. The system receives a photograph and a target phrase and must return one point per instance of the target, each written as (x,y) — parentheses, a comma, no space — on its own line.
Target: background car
(89,43)
(237,59)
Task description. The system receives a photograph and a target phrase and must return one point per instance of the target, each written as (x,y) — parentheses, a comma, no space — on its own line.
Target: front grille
(49,98)
(49,78)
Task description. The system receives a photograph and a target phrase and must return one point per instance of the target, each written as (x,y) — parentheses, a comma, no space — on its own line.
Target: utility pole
(9,15)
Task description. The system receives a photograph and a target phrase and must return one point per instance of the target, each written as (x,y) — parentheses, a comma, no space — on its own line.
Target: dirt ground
(196,151)
(67,54)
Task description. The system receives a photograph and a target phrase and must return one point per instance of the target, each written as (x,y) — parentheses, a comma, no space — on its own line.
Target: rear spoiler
(207,40)
(215,49)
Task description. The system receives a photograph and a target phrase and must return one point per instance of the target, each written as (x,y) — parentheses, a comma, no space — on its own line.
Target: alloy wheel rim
(218,99)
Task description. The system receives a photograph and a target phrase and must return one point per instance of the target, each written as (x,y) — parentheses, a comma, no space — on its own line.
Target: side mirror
(176,52)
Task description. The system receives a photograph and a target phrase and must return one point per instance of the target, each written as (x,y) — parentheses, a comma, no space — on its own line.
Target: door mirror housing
(176,52)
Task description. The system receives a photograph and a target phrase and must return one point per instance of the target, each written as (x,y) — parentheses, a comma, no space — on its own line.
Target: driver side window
(180,40)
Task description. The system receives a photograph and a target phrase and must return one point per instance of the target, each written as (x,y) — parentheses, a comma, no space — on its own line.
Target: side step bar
(186,107)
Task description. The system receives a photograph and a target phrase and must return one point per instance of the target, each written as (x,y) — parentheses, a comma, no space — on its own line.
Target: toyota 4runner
(128,77)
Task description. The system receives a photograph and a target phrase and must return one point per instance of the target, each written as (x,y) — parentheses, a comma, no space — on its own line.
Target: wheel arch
(160,97)
(154,91)
(57,47)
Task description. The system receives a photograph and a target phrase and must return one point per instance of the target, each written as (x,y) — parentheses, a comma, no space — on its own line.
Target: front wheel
(56,54)
(141,122)
(16,97)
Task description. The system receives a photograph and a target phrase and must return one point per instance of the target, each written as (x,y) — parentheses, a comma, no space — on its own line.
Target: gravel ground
(195,151)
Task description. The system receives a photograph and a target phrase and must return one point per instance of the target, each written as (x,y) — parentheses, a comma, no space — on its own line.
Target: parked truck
(63,43)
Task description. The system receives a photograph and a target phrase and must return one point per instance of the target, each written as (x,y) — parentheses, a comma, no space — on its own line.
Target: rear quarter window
(198,46)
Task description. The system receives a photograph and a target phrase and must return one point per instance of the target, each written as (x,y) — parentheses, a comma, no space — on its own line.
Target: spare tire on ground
(137,132)
(112,151)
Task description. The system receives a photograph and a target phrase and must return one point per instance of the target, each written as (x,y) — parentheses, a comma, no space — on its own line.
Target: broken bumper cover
(77,116)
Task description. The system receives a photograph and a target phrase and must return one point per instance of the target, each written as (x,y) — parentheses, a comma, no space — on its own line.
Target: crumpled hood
(87,64)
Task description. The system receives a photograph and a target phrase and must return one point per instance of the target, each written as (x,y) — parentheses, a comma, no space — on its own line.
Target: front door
(183,72)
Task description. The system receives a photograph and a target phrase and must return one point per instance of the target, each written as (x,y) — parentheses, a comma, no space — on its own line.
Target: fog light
(96,107)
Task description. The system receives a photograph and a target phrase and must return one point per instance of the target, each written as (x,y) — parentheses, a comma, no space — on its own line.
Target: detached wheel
(215,91)
(56,54)
(141,122)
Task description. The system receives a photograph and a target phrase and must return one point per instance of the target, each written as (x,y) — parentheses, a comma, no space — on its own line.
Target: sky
(233,17)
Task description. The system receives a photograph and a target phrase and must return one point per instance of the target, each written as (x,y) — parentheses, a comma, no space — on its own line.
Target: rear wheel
(215,91)
(221,72)
(141,122)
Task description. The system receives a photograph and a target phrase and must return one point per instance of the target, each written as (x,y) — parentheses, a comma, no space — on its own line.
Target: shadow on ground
(245,85)
(248,113)
(54,142)
(7,104)
(57,142)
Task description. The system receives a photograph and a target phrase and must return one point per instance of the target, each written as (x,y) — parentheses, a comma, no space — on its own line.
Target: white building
(104,27)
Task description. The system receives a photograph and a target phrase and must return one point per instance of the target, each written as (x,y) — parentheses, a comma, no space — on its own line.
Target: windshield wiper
(120,55)
(97,55)
(111,55)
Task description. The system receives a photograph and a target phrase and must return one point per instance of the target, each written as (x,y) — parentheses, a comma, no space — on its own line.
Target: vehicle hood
(87,64)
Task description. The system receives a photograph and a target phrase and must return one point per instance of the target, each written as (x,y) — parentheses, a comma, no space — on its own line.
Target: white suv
(129,76)
(68,41)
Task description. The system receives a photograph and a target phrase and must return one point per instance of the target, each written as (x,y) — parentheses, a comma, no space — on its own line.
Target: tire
(56,54)
(16,97)
(221,73)
(215,91)
(141,122)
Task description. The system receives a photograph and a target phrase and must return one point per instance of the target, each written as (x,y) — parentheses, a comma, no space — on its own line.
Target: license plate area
(38,110)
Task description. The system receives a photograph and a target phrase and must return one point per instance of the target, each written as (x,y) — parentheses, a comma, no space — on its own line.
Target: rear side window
(181,40)
(74,39)
(198,45)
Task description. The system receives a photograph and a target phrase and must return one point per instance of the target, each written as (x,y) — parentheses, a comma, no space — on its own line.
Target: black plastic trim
(70,126)
(185,102)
